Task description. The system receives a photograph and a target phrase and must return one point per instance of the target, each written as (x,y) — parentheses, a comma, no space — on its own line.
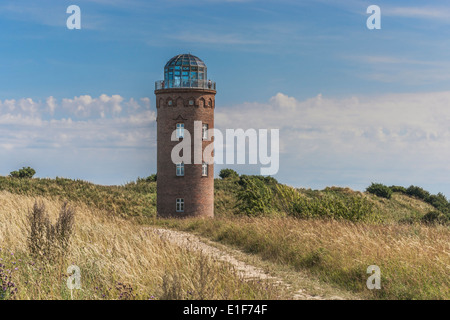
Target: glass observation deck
(185,71)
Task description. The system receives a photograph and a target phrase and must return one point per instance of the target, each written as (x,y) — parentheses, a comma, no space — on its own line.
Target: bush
(46,240)
(353,208)
(418,192)
(399,189)
(436,217)
(228,173)
(151,178)
(268,180)
(23,173)
(440,202)
(327,205)
(255,197)
(380,190)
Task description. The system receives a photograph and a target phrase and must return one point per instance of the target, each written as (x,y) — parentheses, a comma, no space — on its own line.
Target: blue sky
(353,105)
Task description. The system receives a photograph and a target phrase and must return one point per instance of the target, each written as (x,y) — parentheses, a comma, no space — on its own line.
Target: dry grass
(414,259)
(117,258)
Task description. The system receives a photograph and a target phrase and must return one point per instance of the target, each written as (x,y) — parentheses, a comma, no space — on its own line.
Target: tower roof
(185,71)
(185,59)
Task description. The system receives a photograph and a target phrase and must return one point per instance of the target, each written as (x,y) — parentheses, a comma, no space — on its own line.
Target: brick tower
(184,96)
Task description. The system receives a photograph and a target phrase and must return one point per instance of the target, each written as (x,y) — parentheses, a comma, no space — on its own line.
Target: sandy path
(195,243)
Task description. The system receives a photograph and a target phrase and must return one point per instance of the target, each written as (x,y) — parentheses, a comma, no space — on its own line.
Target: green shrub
(268,180)
(287,199)
(436,217)
(418,192)
(25,172)
(380,190)
(399,189)
(353,208)
(440,202)
(228,173)
(150,178)
(255,197)
(327,205)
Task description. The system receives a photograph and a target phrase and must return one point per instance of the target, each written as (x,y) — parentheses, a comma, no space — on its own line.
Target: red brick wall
(196,190)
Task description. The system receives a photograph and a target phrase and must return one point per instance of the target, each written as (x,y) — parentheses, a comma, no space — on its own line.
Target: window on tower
(180,205)
(205,131)
(204,169)
(180,130)
(180,169)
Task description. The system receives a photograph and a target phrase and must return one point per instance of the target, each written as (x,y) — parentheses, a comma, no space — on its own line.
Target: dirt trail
(195,243)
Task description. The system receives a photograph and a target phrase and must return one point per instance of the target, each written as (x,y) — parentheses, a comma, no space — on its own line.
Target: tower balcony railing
(178,83)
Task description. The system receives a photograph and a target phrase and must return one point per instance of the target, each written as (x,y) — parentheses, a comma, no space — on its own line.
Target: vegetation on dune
(134,198)
(228,174)
(441,212)
(380,190)
(333,234)
(25,172)
(46,240)
(413,258)
(118,258)
(251,196)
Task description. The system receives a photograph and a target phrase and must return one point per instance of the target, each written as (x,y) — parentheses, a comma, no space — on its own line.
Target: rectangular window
(180,205)
(205,131)
(180,169)
(180,130)
(204,169)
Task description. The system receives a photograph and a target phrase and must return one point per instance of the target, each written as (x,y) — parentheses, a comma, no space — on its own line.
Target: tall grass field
(333,235)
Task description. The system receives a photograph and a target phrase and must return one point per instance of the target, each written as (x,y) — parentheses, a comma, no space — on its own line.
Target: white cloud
(51,104)
(379,137)
(81,122)
(395,138)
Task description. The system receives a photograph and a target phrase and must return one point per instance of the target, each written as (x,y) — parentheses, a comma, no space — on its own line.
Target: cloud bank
(352,141)
(396,138)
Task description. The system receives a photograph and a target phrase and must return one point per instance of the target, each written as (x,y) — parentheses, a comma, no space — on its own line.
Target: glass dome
(185,71)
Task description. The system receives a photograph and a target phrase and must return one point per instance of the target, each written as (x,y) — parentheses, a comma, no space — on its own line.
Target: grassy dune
(118,260)
(414,259)
(131,199)
(112,246)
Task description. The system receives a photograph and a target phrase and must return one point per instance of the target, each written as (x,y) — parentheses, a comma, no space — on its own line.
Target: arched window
(205,131)
(180,169)
(180,130)
(204,169)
